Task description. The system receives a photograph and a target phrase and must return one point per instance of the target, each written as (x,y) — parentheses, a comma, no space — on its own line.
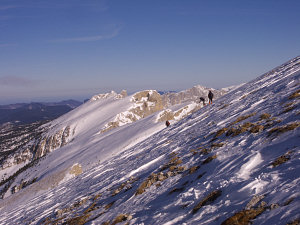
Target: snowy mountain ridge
(233,162)
(100,114)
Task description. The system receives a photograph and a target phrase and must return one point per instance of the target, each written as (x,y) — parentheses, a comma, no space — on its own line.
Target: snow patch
(250,166)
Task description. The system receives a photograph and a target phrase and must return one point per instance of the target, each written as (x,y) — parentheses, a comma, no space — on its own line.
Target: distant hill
(25,113)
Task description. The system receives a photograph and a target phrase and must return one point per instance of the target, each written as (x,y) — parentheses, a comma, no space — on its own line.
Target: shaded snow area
(234,160)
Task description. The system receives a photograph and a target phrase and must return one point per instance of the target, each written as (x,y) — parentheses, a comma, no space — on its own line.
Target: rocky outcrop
(145,103)
(111,94)
(148,102)
(26,143)
(192,94)
(52,142)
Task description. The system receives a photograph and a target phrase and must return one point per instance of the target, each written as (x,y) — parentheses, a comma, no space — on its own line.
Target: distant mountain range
(25,113)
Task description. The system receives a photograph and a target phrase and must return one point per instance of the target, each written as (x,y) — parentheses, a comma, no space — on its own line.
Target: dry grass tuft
(283,129)
(256,129)
(126,185)
(289,107)
(265,116)
(209,159)
(121,218)
(241,118)
(176,190)
(294,222)
(244,217)
(193,169)
(224,106)
(236,131)
(207,200)
(217,145)
(220,132)
(247,125)
(109,205)
(79,220)
(201,175)
(282,159)
(289,201)
(296,94)
(193,151)
(205,151)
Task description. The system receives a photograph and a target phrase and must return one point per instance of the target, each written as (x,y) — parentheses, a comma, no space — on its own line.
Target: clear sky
(59,49)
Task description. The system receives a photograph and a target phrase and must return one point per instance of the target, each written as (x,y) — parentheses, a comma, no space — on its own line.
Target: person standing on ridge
(210,97)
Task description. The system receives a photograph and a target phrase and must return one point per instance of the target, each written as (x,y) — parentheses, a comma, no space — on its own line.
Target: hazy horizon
(72,48)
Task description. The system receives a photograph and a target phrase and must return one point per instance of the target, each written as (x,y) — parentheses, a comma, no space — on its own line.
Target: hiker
(210,97)
(167,123)
(202,100)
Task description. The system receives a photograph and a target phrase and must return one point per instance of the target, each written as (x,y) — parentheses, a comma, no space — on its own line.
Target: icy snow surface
(123,158)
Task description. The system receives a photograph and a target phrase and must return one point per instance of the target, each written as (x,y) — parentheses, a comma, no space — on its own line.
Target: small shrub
(207,200)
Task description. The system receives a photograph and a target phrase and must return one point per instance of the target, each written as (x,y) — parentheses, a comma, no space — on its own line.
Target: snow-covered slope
(234,160)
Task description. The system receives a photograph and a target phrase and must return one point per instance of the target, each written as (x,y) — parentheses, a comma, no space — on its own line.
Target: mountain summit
(233,162)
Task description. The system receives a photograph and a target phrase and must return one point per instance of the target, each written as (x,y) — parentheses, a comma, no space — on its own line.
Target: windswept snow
(201,170)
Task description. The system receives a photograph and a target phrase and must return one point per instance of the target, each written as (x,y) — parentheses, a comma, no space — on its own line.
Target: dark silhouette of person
(202,100)
(167,123)
(210,97)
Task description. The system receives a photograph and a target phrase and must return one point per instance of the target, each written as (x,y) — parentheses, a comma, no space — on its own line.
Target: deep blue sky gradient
(58,49)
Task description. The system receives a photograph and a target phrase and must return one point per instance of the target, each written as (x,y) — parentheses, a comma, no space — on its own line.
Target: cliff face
(23,144)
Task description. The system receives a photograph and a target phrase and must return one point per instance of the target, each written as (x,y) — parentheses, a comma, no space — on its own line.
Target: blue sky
(59,49)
